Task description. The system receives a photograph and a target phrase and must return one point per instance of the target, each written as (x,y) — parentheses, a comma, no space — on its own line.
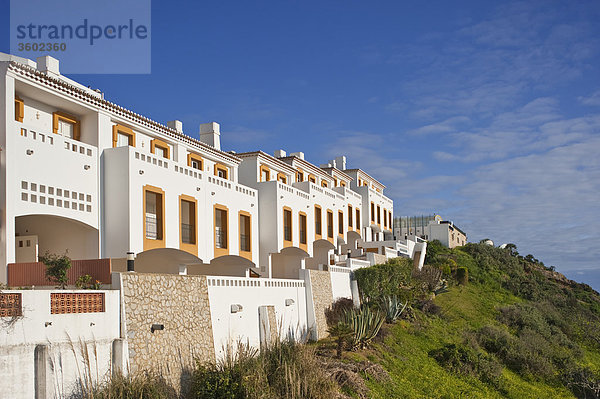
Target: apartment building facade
(87,177)
(430,227)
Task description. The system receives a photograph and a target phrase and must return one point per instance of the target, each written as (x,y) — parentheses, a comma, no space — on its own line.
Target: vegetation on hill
(476,322)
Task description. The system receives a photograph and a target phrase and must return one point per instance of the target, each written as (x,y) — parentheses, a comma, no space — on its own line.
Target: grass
(405,352)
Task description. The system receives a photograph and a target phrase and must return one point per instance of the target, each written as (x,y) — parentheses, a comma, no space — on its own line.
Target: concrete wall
(287,297)
(340,282)
(63,338)
(181,305)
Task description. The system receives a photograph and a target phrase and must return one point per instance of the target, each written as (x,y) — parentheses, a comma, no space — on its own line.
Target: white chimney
(298,154)
(340,162)
(210,134)
(176,125)
(48,65)
(280,154)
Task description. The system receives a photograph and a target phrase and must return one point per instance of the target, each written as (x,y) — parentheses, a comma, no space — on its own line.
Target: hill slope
(516,330)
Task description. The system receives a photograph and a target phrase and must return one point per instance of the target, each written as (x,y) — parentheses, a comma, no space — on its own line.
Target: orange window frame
(372,212)
(341,223)
(330,225)
(19,109)
(302,226)
(299,176)
(350,224)
(158,243)
(319,217)
(62,116)
(116,129)
(158,143)
(222,168)
(185,246)
(221,251)
(357,219)
(312,179)
(282,178)
(264,169)
(195,157)
(243,253)
(288,243)
(378,215)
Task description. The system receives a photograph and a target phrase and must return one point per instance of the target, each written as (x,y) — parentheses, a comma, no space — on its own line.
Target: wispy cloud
(593,99)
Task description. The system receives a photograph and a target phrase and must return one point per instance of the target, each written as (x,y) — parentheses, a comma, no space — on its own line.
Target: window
(329,224)
(302,228)
(221,230)
(372,212)
(335,182)
(318,221)
(282,178)
(312,179)
(341,223)
(384,217)
(357,219)
(287,226)
(65,125)
(378,215)
(342,184)
(187,216)
(390,219)
(19,109)
(323,183)
(154,223)
(160,148)
(195,161)
(300,176)
(265,173)
(123,136)
(221,171)
(245,229)
(349,216)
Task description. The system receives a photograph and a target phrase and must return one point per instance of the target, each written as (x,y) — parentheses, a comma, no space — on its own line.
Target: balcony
(34,273)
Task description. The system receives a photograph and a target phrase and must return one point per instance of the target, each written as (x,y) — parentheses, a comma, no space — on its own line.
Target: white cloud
(593,99)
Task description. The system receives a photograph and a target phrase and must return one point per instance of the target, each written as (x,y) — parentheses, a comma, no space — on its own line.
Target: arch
(164,260)
(288,262)
(226,265)
(322,250)
(41,233)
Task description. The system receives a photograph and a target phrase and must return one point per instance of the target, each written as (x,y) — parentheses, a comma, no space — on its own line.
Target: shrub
(391,278)
(132,386)
(392,307)
(429,307)
(342,333)
(365,324)
(462,275)
(335,312)
(85,283)
(56,268)
(466,360)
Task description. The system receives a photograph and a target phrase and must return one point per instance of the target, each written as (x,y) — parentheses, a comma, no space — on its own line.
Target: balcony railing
(220,237)
(34,273)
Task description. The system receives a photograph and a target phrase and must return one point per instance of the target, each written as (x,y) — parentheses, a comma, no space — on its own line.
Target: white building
(431,227)
(82,175)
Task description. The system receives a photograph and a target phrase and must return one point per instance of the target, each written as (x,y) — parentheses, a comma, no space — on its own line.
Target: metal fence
(34,273)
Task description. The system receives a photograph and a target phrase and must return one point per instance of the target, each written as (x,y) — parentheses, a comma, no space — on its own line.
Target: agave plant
(393,307)
(365,324)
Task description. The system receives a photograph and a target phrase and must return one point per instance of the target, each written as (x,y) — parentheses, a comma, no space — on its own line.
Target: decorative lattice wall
(76,303)
(10,305)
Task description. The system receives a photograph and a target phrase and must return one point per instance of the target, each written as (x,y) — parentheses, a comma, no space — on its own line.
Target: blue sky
(486,114)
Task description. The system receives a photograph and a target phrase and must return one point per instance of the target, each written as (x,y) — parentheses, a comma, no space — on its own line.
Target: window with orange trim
(287,225)
(195,161)
(349,216)
(160,148)
(378,215)
(312,179)
(372,212)
(245,232)
(19,109)
(340,223)
(302,227)
(323,183)
(221,230)
(265,173)
(329,224)
(221,171)
(282,178)
(66,125)
(122,136)
(357,219)
(300,176)
(318,221)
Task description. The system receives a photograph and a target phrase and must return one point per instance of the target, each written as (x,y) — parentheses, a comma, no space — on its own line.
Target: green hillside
(516,329)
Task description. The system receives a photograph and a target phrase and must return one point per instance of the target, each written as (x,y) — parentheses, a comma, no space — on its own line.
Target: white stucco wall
(66,336)
(251,293)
